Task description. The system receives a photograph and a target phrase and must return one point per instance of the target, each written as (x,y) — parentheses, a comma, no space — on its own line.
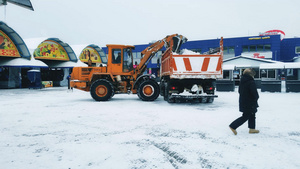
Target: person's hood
(246,78)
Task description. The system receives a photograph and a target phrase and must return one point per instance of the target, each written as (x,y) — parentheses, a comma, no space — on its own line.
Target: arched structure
(53,49)
(11,44)
(93,53)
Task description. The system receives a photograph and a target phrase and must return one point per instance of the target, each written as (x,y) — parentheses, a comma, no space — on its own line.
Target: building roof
(245,61)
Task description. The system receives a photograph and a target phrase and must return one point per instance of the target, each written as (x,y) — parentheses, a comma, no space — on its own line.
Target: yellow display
(90,53)
(7,47)
(50,50)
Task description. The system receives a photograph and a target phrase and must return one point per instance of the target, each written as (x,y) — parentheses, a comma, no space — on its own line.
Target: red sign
(256,55)
(274,32)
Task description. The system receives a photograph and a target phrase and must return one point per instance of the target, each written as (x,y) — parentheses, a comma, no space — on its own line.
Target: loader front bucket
(177,42)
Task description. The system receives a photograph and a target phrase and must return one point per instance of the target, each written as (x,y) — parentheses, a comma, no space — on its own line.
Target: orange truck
(119,75)
(190,76)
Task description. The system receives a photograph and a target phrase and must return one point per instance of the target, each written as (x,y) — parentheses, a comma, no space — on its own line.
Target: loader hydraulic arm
(172,41)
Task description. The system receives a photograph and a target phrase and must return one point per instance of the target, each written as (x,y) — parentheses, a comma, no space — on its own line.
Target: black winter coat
(248,95)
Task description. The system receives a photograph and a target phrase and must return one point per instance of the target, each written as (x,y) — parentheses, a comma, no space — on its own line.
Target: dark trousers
(241,120)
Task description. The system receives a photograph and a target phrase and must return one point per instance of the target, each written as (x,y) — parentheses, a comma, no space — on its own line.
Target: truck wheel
(148,90)
(102,90)
(162,88)
(210,100)
(166,93)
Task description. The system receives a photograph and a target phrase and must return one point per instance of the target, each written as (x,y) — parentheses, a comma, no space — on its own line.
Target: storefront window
(245,49)
(268,73)
(257,73)
(226,74)
(297,49)
(267,47)
(260,48)
(253,48)
(225,50)
(271,74)
(263,74)
(231,49)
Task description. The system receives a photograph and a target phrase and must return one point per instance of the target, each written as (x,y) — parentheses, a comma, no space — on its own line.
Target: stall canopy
(22,3)
(11,44)
(94,53)
(55,53)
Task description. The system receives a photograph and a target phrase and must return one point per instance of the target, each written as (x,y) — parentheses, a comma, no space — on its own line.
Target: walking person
(69,79)
(247,102)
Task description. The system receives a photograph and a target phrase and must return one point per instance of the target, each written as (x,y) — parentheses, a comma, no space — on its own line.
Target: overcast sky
(141,21)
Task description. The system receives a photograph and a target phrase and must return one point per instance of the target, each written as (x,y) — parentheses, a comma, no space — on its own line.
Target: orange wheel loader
(119,75)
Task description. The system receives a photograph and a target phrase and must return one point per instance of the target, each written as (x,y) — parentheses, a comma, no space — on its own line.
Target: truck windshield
(127,64)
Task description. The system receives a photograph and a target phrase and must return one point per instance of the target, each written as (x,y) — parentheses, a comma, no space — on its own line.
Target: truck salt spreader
(119,76)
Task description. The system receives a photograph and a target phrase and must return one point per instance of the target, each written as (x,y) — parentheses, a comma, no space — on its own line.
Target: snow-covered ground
(55,128)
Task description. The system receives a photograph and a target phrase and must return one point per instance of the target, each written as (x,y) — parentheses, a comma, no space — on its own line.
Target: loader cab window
(103,57)
(116,57)
(128,60)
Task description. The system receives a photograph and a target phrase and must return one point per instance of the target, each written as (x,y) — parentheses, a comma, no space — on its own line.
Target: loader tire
(148,90)
(102,90)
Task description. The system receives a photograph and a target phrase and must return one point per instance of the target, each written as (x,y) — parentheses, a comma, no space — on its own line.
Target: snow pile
(53,128)
(188,52)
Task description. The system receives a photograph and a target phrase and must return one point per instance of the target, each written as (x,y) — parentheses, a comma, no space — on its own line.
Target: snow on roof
(22,62)
(292,65)
(250,58)
(228,67)
(189,52)
(67,64)
(272,66)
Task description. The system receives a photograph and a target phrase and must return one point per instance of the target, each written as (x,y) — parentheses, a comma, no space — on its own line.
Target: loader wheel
(148,90)
(102,90)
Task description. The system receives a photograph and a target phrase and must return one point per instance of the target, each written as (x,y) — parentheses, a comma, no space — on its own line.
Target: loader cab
(120,59)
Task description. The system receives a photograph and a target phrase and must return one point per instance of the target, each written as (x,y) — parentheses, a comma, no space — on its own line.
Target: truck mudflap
(191,98)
